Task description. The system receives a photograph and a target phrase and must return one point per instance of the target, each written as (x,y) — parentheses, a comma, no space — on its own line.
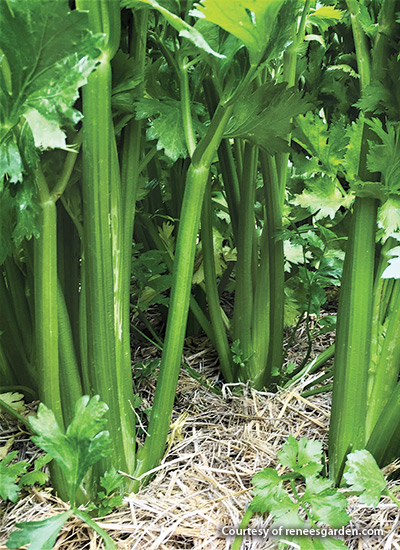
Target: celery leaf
(165,125)
(368,25)
(10,161)
(15,400)
(291,508)
(325,16)
(384,157)
(40,535)
(36,476)
(261,25)
(269,495)
(264,117)
(8,476)
(389,216)
(327,504)
(327,144)
(364,475)
(111,480)
(375,98)
(393,269)
(51,54)
(323,197)
(354,134)
(83,443)
(302,456)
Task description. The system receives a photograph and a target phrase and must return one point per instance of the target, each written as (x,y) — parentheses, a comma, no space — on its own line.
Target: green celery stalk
(69,269)
(6,373)
(274,198)
(46,316)
(360,375)
(16,286)
(384,442)
(130,158)
(275,185)
(151,452)
(11,340)
(385,359)
(261,316)
(70,380)
(108,365)
(98,252)
(244,288)
(221,339)
(46,310)
(354,324)
(384,373)
(353,336)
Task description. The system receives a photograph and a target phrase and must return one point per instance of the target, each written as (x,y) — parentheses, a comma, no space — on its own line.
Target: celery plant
(354,159)
(107,326)
(77,347)
(363,362)
(259,270)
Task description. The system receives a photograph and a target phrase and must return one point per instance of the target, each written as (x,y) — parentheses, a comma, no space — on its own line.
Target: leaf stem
(68,167)
(12,412)
(221,339)
(186,108)
(243,524)
(109,543)
(393,498)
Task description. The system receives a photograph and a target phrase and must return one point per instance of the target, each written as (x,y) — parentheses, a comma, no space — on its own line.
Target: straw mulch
(217,444)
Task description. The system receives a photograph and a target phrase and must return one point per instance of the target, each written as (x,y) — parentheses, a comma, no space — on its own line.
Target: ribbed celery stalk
(221,339)
(150,454)
(244,296)
(97,246)
(384,374)
(70,380)
(16,287)
(353,336)
(384,442)
(46,317)
(130,158)
(385,359)
(69,270)
(7,376)
(384,366)
(11,340)
(261,317)
(351,419)
(275,196)
(107,364)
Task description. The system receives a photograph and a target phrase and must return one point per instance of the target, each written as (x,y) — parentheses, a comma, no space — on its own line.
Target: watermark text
(273,532)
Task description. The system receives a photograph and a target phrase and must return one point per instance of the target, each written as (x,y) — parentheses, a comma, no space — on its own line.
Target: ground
(217,444)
